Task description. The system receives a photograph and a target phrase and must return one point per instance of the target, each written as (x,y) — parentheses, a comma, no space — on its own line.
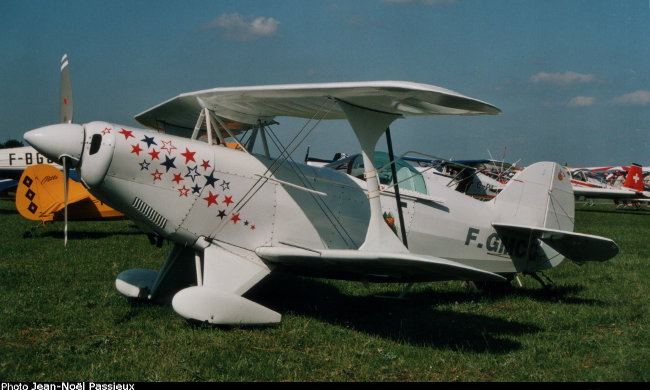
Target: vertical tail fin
(634,178)
(540,196)
(39,194)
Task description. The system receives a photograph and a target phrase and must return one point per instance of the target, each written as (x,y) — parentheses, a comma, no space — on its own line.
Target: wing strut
(368,126)
(398,199)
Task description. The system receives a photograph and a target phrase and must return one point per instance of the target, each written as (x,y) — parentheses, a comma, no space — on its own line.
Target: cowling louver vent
(150,213)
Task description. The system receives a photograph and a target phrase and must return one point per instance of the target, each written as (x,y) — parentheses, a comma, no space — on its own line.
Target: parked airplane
(482,179)
(13,161)
(235,216)
(589,185)
(40,197)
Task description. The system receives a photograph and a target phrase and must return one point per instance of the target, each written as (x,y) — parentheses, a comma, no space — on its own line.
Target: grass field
(63,320)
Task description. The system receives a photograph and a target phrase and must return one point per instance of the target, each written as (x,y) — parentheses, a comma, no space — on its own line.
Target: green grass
(62,319)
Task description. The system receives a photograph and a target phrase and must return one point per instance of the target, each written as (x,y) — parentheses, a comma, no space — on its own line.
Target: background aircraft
(13,161)
(235,216)
(592,184)
(40,197)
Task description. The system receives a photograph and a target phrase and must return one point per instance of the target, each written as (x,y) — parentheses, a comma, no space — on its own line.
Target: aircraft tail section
(634,178)
(541,195)
(534,216)
(40,193)
(39,197)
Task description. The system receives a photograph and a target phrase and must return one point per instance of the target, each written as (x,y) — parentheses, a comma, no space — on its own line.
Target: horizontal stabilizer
(575,246)
(402,266)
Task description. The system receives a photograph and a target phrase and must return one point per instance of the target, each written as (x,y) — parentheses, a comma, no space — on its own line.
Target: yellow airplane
(40,197)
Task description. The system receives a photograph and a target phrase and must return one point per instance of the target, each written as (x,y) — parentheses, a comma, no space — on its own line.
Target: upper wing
(369,264)
(243,107)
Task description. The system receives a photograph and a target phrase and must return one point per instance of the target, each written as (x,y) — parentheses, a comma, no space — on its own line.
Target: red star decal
(252,227)
(167,145)
(183,191)
(157,175)
(205,165)
(177,178)
(212,199)
(235,218)
(136,149)
(228,201)
(126,133)
(189,156)
(106,131)
(154,154)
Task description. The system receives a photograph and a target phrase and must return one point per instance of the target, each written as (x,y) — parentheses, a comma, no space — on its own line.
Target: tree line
(12,143)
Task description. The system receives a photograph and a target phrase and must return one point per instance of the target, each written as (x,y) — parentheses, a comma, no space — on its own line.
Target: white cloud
(581,101)
(638,98)
(240,28)
(562,78)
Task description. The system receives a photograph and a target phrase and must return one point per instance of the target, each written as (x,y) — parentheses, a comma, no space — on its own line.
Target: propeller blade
(66,174)
(65,108)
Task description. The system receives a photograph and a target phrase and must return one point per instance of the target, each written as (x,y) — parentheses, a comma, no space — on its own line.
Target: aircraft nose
(57,141)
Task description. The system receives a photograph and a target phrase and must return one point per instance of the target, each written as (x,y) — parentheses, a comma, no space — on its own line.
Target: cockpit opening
(408,177)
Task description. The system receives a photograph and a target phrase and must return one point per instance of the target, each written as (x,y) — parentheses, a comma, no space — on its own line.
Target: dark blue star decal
(169,163)
(192,173)
(210,180)
(149,141)
(144,165)
(222,213)
(225,185)
(196,189)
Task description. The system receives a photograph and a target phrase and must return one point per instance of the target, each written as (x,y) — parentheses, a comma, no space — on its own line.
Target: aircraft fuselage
(185,189)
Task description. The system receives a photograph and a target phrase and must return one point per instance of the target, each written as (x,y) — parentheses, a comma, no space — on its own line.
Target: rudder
(541,195)
(634,178)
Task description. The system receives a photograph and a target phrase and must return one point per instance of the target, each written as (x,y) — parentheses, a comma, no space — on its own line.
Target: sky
(572,77)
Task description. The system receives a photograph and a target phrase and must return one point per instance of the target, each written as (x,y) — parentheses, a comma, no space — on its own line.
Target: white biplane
(235,216)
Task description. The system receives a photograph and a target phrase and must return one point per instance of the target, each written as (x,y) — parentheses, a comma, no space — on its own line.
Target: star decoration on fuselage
(192,173)
(210,180)
(177,178)
(154,154)
(157,175)
(189,156)
(211,198)
(136,149)
(169,163)
(149,140)
(168,146)
(126,133)
(173,176)
(183,191)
